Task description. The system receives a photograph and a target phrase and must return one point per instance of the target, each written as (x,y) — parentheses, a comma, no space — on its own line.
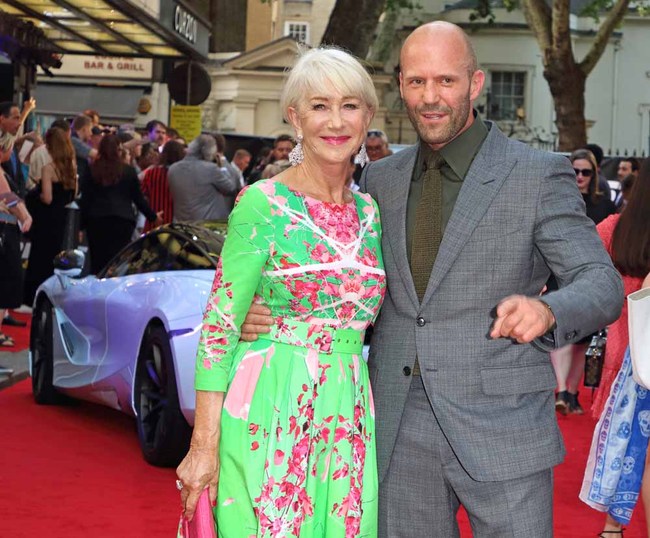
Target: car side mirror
(69,263)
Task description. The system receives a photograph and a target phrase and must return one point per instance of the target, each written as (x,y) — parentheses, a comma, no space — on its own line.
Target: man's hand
(258,320)
(522,318)
(28,106)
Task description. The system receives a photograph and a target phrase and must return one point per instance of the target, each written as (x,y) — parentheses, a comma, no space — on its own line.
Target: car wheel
(163,431)
(42,356)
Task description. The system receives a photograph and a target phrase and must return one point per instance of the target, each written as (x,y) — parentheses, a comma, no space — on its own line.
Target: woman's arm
(23,216)
(47,178)
(200,468)
(243,257)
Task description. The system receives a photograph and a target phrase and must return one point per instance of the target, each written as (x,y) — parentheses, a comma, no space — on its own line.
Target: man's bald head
(439,81)
(442,32)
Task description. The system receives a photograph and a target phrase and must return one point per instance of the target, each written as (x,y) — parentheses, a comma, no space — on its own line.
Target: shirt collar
(460,152)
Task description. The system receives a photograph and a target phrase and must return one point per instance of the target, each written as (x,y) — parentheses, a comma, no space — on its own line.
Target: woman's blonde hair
(319,68)
(61,151)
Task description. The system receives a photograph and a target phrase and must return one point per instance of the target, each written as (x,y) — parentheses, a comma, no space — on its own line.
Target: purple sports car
(127,337)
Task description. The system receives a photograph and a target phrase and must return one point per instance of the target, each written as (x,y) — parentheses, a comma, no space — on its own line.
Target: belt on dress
(322,338)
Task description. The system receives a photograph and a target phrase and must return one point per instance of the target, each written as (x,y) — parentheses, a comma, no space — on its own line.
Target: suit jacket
(518,218)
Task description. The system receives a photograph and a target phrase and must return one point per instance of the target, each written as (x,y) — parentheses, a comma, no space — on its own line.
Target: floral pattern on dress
(297,429)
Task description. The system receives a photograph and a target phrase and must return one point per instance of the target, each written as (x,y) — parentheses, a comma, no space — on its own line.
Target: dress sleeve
(243,257)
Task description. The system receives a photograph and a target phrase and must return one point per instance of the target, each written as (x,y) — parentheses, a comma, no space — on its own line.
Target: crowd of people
(122,181)
(488,256)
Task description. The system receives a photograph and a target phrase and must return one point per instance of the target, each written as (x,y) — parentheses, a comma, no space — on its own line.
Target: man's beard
(434,135)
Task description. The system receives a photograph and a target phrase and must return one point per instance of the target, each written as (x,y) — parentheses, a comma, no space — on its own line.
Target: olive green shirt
(458,155)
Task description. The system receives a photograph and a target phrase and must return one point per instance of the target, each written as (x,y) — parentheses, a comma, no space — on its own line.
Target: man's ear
(476,85)
(401,84)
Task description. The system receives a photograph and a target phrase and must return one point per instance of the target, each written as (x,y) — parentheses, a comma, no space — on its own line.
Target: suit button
(570,335)
(420,322)
(406,370)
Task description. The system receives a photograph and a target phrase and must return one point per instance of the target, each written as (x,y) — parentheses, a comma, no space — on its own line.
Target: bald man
(473,226)
(462,381)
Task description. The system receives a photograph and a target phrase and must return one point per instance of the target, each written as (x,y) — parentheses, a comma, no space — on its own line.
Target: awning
(67,100)
(131,28)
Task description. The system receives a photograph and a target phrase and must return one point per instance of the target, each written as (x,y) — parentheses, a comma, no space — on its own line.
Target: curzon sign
(189,32)
(185,24)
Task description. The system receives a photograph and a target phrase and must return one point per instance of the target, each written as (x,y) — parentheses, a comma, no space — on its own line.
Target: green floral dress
(297,447)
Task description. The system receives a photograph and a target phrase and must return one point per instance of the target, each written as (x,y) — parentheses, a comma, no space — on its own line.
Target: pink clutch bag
(202,524)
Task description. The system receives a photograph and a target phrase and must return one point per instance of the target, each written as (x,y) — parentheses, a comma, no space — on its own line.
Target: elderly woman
(284,427)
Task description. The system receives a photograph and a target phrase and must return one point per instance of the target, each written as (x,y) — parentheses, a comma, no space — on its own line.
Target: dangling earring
(296,155)
(362,158)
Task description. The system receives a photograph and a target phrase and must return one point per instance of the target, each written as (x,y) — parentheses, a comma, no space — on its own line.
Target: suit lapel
(484,179)
(393,215)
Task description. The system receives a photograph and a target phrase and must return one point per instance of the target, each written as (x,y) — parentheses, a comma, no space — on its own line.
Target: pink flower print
(321,254)
(369,258)
(255,445)
(340,433)
(352,526)
(351,290)
(346,312)
(312,363)
(286,264)
(306,505)
(252,428)
(241,390)
(324,342)
(343,472)
(278,457)
(306,288)
(323,374)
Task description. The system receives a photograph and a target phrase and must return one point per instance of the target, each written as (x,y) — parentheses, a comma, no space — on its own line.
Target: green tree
(353,23)
(565,74)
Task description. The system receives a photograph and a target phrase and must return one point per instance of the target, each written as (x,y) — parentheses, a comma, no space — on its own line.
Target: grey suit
(518,217)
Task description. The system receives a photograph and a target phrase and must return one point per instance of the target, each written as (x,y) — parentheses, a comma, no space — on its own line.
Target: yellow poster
(187,121)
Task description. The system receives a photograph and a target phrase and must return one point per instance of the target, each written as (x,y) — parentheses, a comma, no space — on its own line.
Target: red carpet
(77,472)
(20,335)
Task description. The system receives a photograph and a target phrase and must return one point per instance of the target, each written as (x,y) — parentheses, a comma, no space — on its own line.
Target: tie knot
(435,161)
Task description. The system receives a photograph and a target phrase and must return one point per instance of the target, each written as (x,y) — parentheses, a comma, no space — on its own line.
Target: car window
(184,255)
(147,255)
(168,250)
(119,265)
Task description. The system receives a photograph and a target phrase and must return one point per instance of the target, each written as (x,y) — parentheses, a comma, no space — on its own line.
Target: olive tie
(428,229)
(427,234)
